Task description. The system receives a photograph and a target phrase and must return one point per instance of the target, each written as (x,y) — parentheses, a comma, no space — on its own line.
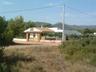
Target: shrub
(5,40)
(80,50)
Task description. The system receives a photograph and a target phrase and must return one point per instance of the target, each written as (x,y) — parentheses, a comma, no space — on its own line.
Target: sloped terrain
(28,58)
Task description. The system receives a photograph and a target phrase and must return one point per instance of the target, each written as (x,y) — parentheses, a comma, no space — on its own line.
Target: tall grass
(19,61)
(80,50)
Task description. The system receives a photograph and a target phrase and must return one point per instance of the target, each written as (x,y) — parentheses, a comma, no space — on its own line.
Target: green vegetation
(26,58)
(16,26)
(5,40)
(20,61)
(77,48)
(83,50)
(10,29)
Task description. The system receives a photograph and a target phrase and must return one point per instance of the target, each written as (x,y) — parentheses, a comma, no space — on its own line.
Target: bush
(6,37)
(80,50)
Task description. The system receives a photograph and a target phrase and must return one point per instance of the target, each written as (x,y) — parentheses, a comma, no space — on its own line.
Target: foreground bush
(6,37)
(20,61)
(80,50)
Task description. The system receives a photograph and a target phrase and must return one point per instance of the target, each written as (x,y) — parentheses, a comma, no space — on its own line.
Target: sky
(77,12)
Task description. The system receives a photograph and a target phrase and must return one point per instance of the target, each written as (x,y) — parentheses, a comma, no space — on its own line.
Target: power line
(45,7)
(33,9)
(81,12)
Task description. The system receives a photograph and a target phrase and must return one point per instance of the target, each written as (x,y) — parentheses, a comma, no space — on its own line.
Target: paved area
(42,42)
(50,43)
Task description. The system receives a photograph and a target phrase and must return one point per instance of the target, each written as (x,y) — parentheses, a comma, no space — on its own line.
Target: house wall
(27,36)
(35,36)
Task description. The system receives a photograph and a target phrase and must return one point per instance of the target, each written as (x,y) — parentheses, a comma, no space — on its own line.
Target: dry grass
(42,59)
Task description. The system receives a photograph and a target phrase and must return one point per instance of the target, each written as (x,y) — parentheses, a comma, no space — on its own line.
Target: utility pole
(63,22)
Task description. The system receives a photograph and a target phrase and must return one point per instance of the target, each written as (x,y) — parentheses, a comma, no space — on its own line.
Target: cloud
(7,3)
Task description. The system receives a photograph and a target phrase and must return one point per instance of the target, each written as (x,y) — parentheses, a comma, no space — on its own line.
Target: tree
(3,27)
(87,32)
(17,26)
(5,40)
(29,24)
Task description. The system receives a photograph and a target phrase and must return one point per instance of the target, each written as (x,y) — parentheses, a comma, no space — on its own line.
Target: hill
(67,26)
(74,27)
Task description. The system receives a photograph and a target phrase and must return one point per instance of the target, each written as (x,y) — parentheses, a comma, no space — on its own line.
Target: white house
(35,33)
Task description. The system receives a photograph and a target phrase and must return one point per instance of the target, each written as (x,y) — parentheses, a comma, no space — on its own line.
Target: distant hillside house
(37,33)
